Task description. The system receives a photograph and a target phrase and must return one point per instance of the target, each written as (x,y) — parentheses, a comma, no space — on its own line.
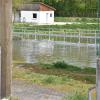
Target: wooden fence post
(6,46)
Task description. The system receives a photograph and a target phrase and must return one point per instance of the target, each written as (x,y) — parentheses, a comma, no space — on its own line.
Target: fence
(87,37)
(77,46)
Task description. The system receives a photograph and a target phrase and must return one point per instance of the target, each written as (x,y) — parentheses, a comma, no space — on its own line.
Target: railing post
(64,36)
(35,35)
(79,37)
(95,37)
(49,35)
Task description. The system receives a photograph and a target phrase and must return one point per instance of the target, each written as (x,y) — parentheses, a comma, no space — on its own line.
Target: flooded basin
(44,51)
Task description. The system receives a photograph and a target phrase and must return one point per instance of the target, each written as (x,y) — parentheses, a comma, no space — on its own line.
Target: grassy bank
(81,23)
(70,79)
(76,19)
(30,26)
(86,75)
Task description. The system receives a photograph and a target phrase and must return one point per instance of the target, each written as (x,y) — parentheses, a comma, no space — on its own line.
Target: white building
(38,12)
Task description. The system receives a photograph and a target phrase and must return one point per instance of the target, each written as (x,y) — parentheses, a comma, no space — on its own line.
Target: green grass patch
(76,96)
(67,80)
(76,19)
(60,83)
(26,27)
(84,74)
(64,65)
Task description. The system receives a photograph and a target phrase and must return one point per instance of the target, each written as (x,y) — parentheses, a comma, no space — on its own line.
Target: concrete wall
(42,16)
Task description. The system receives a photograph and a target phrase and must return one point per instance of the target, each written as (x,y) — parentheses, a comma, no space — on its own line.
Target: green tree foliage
(66,7)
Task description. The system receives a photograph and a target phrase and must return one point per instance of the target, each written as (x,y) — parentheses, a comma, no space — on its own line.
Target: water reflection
(46,51)
(45,48)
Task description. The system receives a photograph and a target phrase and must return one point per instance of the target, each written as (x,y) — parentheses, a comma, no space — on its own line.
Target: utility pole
(98,79)
(6,46)
(98,14)
(98,54)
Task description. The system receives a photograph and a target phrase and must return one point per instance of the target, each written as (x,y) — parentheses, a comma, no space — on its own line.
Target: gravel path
(27,91)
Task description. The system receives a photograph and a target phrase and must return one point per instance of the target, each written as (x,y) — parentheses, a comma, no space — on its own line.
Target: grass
(72,68)
(87,74)
(18,27)
(71,80)
(61,83)
(79,95)
(76,19)
(76,96)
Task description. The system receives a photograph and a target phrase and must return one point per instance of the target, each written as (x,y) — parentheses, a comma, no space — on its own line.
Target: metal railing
(62,35)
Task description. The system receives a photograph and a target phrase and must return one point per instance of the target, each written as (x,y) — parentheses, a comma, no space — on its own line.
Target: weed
(59,64)
(64,65)
(49,80)
(76,96)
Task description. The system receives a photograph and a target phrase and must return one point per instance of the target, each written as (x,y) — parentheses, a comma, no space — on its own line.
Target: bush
(59,64)
(63,65)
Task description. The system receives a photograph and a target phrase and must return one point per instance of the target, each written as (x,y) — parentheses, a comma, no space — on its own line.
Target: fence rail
(54,34)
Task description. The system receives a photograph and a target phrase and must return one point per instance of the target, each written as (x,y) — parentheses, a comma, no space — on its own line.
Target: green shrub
(63,65)
(59,64)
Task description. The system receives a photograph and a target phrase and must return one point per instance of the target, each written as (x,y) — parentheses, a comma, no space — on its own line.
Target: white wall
(27,16)
(45,17)
(42,16)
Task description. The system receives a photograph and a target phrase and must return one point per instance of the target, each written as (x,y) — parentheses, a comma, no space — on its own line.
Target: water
(29,51)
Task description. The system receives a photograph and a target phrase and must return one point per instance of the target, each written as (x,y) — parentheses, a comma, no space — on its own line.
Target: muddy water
(28,51)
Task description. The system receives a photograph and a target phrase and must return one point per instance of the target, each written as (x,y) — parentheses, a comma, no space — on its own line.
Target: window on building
(34,15)
(50,14)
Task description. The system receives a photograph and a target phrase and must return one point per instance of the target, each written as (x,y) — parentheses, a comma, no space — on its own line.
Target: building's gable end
(44,7)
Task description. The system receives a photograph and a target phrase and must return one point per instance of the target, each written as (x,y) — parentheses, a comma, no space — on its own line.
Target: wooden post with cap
(6,46)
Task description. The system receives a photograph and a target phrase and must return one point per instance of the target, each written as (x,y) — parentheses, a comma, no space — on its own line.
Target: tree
(17,4)
(6,47)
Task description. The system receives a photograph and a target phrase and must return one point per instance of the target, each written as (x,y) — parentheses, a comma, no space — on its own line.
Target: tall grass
(76,96)
(76,19)
(30,26)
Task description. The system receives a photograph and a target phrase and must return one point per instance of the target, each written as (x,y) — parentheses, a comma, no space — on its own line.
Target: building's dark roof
(34,7)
